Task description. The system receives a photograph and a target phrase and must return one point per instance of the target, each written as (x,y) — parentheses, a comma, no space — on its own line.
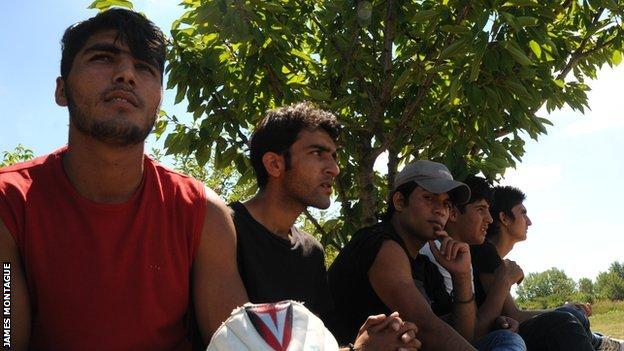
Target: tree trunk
(365,181)
(393,164)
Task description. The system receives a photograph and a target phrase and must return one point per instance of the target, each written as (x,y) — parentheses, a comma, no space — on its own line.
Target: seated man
(102,242)
(468,224)
(565,328)
(293,156)
(380,269)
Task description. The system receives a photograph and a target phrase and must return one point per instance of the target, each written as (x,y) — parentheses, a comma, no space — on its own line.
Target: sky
(573,177)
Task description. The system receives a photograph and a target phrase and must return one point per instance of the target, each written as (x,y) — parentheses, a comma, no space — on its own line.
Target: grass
(608,318)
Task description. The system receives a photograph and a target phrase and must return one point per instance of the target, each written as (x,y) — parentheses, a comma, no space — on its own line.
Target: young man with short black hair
(380,269)
(106,244)
(293,153)
(468,223)
(565,328)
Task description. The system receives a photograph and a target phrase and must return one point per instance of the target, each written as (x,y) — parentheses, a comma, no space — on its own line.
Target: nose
(529,221)
(125,72)
(332,169)
(488,218)
(440,208)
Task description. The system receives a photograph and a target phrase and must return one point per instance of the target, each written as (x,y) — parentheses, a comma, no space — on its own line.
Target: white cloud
(606,103)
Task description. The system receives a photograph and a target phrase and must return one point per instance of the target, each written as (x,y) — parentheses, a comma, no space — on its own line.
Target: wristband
(455,300)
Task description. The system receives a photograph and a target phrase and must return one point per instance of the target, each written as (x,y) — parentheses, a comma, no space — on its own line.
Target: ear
(398,200)
(502,217)
(274,164)
(453,214)
(60,93)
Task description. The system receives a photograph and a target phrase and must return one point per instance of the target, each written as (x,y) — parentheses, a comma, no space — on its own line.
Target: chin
(320,204)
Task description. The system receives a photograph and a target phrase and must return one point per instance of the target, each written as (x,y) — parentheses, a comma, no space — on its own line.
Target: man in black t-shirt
(565,328)
(293,156)
(380,269)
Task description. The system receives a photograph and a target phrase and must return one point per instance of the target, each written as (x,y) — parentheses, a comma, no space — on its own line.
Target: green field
(608,318)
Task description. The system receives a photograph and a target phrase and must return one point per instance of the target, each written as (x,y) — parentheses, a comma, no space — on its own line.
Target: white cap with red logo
(280,326)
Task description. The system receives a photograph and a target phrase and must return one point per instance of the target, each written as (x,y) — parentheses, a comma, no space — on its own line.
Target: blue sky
(574,176)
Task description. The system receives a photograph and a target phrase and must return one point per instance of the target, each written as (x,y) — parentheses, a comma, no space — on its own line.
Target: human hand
(508,323)
(452,255)
(585,307)
(387,333)
(510,272)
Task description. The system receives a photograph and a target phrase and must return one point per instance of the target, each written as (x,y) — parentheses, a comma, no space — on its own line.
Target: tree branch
(410,109)
(386,63)
(315,223)
(579,52)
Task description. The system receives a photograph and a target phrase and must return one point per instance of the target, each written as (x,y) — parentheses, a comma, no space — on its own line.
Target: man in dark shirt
(565,328)
(293,156)
(468,223)
(380,270)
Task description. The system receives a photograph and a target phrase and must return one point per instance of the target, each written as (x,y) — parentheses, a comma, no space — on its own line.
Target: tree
(547,289)
(585,291)
(19,154)
(455,81)
(610,284)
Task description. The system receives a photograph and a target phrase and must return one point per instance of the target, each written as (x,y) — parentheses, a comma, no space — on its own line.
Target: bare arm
(509,307)
(399,293)
(217,286)
(454,256)
(20,304)
(507,274)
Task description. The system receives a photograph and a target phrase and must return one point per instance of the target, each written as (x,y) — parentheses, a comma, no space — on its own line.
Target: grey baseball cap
(433,177)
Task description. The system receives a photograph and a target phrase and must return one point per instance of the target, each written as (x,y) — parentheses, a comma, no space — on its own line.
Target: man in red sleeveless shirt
(101,246)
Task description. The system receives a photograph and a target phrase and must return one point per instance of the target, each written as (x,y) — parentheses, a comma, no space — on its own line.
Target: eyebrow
(322,148)
(111,48)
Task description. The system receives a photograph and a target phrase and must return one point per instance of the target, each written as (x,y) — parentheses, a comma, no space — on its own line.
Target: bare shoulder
(217,211)
(391,254)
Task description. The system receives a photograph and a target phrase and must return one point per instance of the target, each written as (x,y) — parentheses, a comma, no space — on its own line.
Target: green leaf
(300,54)
(518,89)
(180,94)
(315,94)
(202,154)
(616,57)
(521,3)
(454,49)
(106,4)
(516,53)
(160,127)
(527,21)
(425,15)
(537,49)
(454,29)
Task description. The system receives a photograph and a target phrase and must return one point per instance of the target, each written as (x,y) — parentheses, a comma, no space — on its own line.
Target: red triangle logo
(273,321)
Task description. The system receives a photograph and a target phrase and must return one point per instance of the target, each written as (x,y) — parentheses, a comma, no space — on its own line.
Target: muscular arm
(463,314)
(399,293)
(508,307)
(492,307)
(217,286)
(20,304)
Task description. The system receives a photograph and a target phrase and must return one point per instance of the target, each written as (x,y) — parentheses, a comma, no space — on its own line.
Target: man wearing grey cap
(380,269)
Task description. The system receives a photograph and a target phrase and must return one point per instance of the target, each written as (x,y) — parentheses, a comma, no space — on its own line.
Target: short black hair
(145,41)
(505,198)
(280,128)
(406,190)
(480,189)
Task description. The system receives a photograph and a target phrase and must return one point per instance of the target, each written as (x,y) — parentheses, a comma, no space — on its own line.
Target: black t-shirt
(275,269)
(353,295)
(485,259)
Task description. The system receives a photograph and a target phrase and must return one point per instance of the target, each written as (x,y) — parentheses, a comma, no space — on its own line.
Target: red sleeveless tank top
(102,276)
